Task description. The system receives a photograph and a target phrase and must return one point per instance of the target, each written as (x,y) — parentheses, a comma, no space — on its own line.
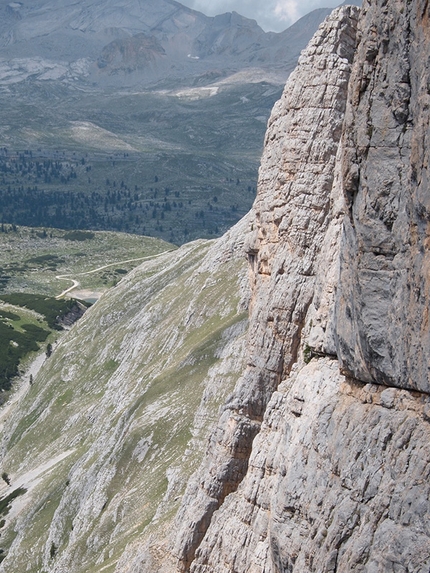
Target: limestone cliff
(337,478)
(383,305)
(319,459)
(290,219)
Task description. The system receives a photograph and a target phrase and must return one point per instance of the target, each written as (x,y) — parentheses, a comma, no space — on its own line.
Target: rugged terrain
(137,42)
(143,117)
(319,458)
(337,475)
(119,426)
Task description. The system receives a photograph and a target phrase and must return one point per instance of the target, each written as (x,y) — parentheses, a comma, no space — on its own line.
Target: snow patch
(197,93)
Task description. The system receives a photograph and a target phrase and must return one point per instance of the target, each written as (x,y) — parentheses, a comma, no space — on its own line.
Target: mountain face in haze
(151,96)
(140,40)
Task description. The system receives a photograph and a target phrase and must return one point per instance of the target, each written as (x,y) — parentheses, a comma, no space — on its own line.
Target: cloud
(287,10)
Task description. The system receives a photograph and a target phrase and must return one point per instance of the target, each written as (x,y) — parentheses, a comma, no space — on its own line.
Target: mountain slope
(310,465)
(108,433)
(150,96)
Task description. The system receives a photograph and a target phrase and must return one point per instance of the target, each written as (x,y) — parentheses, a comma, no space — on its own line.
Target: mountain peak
(94,31)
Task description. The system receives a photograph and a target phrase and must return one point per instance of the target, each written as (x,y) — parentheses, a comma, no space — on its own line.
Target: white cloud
(287,10)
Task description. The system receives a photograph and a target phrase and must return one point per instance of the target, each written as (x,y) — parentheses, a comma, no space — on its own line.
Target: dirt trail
(76,283)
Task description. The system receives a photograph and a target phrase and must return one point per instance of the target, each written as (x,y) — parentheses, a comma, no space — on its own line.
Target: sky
(275,15)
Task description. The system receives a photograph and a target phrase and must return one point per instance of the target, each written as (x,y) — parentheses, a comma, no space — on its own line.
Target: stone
(289,221)
(337,478)
(343,487)
(382,309)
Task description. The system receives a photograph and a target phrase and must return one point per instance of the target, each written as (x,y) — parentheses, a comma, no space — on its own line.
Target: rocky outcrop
(337,481)
(290,219)
(382,311)
(337,478)
(73,315)
(138,52)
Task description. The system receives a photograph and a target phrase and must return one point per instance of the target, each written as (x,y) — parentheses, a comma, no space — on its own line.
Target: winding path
(77,283)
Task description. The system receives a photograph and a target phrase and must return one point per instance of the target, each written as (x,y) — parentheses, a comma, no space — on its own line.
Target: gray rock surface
(320,459)
(289,221)
(382,310)
(337,479)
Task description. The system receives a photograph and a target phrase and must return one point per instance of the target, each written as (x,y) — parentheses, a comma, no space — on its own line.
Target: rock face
(338,250)
(337,481)
(290,219)
(139,51)
(382,311)
(319,460)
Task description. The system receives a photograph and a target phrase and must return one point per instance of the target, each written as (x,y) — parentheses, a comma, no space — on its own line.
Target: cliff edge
(170,433)
(334,405)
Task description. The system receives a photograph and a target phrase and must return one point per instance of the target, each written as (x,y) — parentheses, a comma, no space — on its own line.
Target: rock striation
(289,221)
(337,478)
(337,481)
(319,459)
(382,309)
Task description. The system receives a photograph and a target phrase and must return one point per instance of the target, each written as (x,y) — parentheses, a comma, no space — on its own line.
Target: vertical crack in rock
(289,222)
(384,289)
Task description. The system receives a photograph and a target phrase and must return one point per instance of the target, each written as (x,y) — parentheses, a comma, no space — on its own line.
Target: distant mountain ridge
(144,41)
(187,95)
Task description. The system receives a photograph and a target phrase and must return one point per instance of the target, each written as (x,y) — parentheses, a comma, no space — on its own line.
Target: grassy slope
(118,399)
(30,262)
(31,259)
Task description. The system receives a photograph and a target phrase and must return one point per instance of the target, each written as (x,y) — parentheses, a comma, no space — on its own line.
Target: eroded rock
(382,310)
(337,479)
(290,218)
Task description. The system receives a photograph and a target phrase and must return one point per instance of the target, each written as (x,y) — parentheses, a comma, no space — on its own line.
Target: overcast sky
(273,15)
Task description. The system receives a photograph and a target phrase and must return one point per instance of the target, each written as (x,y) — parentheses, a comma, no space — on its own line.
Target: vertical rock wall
(291,217)
(338,481)
(382,312)
(338,475)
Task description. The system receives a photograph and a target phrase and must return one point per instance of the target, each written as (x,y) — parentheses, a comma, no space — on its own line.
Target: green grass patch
(31,264)
(53,310)
(23,426)
(50,259)
(39,334)
(21,337)
(14,346)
